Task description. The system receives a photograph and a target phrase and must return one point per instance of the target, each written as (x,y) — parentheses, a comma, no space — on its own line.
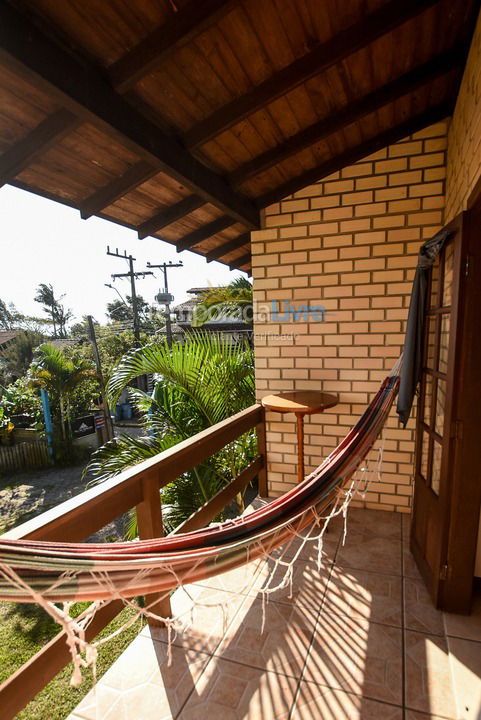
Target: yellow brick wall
(464,139)
(348,243)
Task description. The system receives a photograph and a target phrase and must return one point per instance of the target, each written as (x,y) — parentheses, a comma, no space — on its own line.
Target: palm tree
(233,301)
(199,382)
(59,376)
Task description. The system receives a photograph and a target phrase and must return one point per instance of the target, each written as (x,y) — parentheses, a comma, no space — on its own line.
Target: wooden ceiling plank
(240,262)
(170,215)
(228,247)
(81,88)
(352,155)
(117,188)
(183,26)
(378,23)
(410,81)
(24,152)
(196,236)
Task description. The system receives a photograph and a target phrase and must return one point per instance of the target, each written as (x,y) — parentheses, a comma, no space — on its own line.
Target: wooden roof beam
(183,26)
(80,87)
(238,263)
(24,152)
(352,155)
(359,35)
(206,231)
(105,196)
(170,215)
(351,113)
(228,247)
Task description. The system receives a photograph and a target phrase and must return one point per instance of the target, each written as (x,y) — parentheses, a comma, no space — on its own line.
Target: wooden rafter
(37,141)
(80,88)
(240,262)
(407,83)
(170,215)
(184,25)
(352,155)
(206,231)
(105,196)
(359,35)
(228,247)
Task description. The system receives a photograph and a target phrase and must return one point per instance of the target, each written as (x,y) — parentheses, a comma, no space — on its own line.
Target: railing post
(262,451)
(150,525)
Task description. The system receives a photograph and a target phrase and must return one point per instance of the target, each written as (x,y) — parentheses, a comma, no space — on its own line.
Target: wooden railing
(81,516)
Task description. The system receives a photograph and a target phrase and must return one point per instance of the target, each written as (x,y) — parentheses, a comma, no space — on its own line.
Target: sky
(42,241)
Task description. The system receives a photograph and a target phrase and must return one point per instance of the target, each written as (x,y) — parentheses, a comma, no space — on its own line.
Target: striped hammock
(33,571)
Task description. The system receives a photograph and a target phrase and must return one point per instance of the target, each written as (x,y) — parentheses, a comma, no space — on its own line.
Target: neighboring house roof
(6,336)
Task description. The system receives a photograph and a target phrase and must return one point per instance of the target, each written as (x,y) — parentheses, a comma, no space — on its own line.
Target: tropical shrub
(199,382)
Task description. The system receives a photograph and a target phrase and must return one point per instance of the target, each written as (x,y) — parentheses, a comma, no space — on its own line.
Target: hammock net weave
(53,573)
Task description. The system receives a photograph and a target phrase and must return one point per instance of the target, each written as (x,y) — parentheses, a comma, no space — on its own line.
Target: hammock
(49,572)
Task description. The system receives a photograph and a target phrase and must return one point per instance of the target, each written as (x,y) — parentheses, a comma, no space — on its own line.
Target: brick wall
(349,244)
(464,139)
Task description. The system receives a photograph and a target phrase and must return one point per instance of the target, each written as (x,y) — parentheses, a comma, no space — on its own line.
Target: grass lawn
(24,629)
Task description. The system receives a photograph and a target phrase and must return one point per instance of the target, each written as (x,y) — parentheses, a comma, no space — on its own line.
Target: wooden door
(434,421)
(447,486)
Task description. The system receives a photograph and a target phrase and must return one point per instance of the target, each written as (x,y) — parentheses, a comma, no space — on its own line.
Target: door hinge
(443,572)
(466,266)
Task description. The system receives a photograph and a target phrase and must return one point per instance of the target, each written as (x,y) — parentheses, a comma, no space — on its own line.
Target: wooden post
(150,525)
(300,447)
(262,451)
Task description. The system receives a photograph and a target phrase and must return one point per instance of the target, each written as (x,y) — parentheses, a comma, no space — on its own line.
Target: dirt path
(24,495)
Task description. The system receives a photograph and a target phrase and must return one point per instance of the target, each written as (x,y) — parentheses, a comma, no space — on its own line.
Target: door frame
(450,580)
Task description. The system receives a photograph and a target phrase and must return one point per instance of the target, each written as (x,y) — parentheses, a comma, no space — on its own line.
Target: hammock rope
(50,572)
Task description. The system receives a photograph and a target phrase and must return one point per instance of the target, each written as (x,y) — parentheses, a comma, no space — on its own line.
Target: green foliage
(25,629)
(232,302)
(61,378)
(209,370)
(20,398)
(15,359)
(200,382)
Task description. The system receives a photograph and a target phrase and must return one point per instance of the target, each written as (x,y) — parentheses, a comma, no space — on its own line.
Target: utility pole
(109,431)
(165,298)
(132,275)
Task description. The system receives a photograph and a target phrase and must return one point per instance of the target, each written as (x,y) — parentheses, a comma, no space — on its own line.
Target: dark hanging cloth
(413,343)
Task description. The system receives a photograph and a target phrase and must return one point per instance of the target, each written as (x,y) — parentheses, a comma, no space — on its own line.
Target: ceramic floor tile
(229,691)
(308,549)
(357,656)
(413,715)
(280,644)
(377,523)
(410,569)
(361,594)
(429,685)
(307,587)
(240,580)
(367,552)
(315,702)
(465,626)
(141,684)
(202,618)
(465,658)
(419,611)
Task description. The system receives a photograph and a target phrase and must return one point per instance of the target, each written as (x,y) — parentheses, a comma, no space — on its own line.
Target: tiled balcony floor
(357,639)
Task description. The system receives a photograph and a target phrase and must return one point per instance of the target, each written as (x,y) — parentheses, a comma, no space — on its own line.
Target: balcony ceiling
(183,119)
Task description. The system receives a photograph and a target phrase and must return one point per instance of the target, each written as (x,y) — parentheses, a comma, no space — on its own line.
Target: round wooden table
(301,403)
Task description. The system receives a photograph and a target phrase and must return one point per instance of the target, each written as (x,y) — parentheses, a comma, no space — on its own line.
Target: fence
(24,455)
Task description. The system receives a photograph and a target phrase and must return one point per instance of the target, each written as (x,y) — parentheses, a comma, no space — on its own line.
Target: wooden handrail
(84,514)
